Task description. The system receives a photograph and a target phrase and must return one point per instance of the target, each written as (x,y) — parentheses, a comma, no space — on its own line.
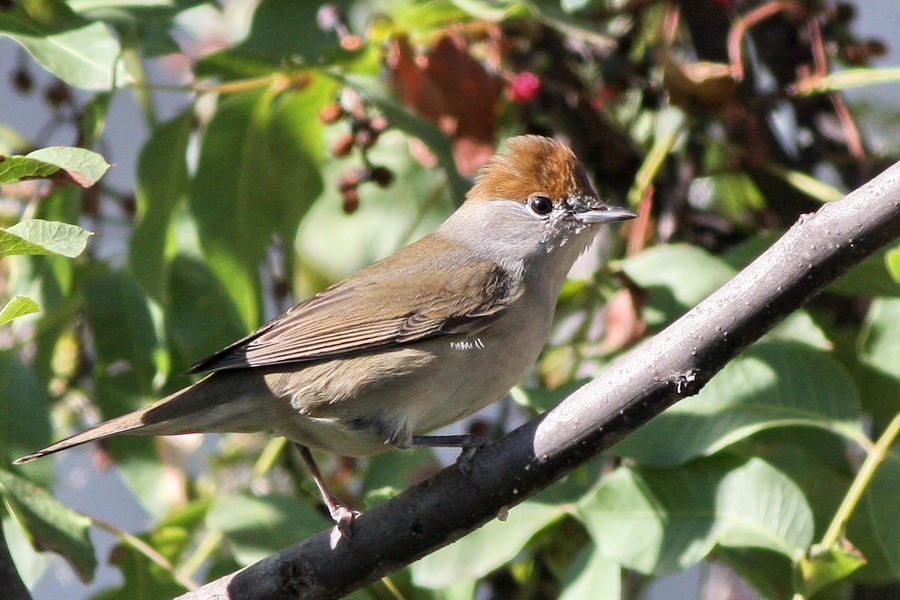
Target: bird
(421,339)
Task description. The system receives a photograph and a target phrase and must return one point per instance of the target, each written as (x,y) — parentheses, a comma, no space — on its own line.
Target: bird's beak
(603,213)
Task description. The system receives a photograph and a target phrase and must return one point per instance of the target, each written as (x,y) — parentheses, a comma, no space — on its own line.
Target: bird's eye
(540,205)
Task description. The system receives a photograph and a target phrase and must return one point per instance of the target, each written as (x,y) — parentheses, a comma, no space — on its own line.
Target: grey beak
(605,213)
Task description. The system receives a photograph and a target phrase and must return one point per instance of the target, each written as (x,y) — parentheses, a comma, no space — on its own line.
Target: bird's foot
(468,443)
(343,518)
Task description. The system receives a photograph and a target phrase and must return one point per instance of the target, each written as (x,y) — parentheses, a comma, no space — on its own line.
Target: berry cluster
(363,133)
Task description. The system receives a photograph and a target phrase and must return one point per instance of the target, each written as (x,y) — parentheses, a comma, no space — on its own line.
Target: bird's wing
(360,313)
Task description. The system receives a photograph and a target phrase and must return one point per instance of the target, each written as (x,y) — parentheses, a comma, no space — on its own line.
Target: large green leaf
(773,384)
(200,316)
(678,277)
(281,31)
(661,520)
(879,355)
(485,549)
(872,277)
(879,514)
(78,51)
(593,576)
(144,579)
(25,422)
(257,526)
(126,345)
(768,572)
(880,337)
(170,536)
(162,182)
(124,336)
(51,524)
(258,173)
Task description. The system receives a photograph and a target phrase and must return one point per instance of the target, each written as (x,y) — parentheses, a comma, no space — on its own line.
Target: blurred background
(261,150)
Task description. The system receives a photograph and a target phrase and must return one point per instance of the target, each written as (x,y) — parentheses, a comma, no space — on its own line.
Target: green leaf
(880,510)
(879,343)
(17,307)
(25,424)
(824,567)
(892,260)
(171,536)
(285,29)
(30,563)
(144,579)
(52,525)
(162,183)
(259,170)
(123,332)
(677,276)
(799,326)
(871,277)
(657,520)
(485,549)
(80,52)
(592,575)
(82,166)
(541,399)
(200,317)
(147,23)
(878,347)
(772,384)
(16,168)
(389,473)
(257,526)
(768,572)
(36,236)
(734,194)
(126,346)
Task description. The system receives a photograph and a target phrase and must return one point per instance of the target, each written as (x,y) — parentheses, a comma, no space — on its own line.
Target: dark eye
(540,205)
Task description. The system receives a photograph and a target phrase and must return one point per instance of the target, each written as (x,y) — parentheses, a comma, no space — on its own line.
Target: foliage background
(253,189)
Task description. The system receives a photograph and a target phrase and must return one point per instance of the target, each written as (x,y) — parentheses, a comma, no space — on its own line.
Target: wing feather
(360,313)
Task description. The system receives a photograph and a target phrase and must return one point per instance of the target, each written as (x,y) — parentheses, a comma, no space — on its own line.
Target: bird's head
(535,199)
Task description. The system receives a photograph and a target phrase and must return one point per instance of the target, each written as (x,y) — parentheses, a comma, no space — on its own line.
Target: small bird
(421,339)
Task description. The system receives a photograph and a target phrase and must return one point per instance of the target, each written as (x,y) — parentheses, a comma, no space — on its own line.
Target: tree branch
(674,364)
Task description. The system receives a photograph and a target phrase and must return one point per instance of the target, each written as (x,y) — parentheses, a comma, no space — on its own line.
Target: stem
(145,549)
(203,551)
(268,456)
(874,457)
(142,92)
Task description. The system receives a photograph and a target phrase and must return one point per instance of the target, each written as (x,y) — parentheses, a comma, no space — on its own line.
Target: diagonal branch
(674,364)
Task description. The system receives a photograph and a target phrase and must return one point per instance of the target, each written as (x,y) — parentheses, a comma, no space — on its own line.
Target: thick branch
(674,364)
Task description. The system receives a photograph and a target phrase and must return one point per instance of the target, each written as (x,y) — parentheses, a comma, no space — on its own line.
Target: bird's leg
(342,515)
(470,445)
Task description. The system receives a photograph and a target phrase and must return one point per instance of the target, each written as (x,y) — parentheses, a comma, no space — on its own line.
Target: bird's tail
(235,400)
(124,424)
(181,412)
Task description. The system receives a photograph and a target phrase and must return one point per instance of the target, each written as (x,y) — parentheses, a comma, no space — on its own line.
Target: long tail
(222,401)
(124,424)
